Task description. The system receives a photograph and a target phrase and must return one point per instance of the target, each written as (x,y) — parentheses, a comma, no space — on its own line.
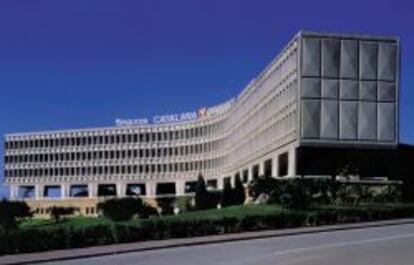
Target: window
(268,168)
(255,171)
(136,190)
(283,164)
(166,189)
(106,190)
(245,176)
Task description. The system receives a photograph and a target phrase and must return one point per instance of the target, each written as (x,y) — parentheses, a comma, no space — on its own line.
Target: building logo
(174,118)
(202,113)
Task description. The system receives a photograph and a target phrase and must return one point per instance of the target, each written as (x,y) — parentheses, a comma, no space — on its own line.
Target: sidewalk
(59,255)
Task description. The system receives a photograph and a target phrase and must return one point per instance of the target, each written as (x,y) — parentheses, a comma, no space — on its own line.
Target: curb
(99,251)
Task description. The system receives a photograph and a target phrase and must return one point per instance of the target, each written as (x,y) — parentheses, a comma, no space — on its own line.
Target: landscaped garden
(274,204)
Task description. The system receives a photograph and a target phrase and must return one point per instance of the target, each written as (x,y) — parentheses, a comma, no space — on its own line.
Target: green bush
(101,234)
(12,212)
(290,193)
(35,240)
(233,196)
(350,194)
(204,199)
(227,196)
(58,212)
(303,193)
(125,209)
(266,185)
(285,200)
(147,211)
(5,246)
(166,204)
(185,203)
(389,194)
(239,192)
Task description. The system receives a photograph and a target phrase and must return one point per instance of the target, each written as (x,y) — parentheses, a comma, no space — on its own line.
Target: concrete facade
(322,89)
(349,90)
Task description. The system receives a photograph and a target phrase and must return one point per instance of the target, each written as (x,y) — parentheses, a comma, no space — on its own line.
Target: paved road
(392,245)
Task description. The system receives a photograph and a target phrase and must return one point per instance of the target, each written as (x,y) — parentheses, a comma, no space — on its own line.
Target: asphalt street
(391,245)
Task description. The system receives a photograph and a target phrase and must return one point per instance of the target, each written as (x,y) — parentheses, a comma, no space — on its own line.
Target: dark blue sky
(83,63)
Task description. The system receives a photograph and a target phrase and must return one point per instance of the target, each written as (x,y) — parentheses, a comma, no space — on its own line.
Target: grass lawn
(75,222)
(233,211)
(81,222)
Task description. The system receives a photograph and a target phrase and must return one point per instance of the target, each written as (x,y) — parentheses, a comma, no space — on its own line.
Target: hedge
(37,240)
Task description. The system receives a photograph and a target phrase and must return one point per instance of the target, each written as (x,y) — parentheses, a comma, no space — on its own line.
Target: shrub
(389,194)
(239,193)
(214,198)
(353,194)
(286,200)
(147,211)
(227,197)
(12,212)
(233,196)
(58,212)
(185,203)
(5,246)
(290,193)
(321,190)
(100,234)
(301,194)
(34,240)
(266,185)
(123,233)
(124,209)
(166,204)
(203,199)
(306,192)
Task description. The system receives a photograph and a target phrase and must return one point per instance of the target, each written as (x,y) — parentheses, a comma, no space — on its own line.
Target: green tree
(239,192)
(205,199)
(227,195)
(12,212)
(201,194)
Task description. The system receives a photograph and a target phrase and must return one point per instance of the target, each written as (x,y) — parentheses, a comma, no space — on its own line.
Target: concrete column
(220,183)
(151,188)
(39,191)
(65,190)
(14,192)
(93,190)
(261,169)
(292,163)
(120,189)
(180,187)
(275,166)
(250,173)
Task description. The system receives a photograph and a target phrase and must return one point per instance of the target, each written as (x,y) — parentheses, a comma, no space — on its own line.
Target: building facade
(322,91)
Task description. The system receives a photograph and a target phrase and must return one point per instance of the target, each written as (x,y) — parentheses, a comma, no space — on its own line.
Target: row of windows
(114,139)
(273,115)
(107,170)
(114,154)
